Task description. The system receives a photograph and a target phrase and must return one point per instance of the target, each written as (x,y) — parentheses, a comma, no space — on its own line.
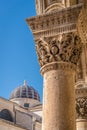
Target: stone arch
(6,115)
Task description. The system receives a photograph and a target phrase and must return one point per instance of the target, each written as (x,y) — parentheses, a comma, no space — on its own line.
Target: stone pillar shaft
(59,100)
(58,57)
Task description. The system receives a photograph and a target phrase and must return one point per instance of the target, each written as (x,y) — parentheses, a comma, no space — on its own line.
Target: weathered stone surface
(65,47)
(59,100)
(58,47)
(82,23)
(54,23)
(81,100)
(46,6)
(81,107)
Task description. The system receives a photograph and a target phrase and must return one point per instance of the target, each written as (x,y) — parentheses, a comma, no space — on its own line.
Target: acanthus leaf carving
(81,108)
(66,48)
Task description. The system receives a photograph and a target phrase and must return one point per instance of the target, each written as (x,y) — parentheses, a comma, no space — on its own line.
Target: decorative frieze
(65,48)
(61,21)
(52,32)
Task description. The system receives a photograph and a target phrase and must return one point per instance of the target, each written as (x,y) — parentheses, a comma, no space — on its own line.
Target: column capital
(61,48)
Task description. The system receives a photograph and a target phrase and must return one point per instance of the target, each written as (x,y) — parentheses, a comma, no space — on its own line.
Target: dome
(25,91)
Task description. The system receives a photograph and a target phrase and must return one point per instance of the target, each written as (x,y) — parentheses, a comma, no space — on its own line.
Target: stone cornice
(61,21)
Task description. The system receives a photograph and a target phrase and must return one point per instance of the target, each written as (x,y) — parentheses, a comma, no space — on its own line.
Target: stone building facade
(22,111)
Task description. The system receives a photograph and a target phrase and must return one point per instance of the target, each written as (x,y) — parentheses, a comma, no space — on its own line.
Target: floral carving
(51,49)
(43,55)
(81,108)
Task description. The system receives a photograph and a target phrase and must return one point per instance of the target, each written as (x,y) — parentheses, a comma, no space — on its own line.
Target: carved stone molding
(81,108)
(65,48)
(81,91)
(56,66)
(44,6)
(50,24)
(82,25)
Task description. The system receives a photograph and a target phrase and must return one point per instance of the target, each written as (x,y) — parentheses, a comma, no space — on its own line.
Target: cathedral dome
(25,91)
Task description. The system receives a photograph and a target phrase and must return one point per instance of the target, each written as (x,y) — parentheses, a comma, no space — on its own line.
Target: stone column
(59,97)
(58,57)
(81,106)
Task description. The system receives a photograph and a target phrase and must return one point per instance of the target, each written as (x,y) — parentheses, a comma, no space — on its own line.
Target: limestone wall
(37,126)
(4,125)
(23,120)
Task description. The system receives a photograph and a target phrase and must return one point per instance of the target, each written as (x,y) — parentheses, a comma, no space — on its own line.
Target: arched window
(6,115)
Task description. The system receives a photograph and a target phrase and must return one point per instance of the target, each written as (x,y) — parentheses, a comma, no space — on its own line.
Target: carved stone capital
(81,108)
(62,48)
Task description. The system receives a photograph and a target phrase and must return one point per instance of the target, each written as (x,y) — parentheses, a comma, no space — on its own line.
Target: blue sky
(18,60)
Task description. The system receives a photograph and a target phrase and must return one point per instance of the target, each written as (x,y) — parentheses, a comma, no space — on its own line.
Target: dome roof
(25,91)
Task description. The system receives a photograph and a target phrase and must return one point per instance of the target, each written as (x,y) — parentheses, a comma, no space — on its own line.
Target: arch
(6,115)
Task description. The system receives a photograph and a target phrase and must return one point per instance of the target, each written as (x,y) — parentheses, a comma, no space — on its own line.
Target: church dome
(25,91)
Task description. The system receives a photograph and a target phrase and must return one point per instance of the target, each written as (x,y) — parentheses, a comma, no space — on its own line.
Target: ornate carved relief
(66,48)
(81,108)
(54,23)
(82,23)
(79,74)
